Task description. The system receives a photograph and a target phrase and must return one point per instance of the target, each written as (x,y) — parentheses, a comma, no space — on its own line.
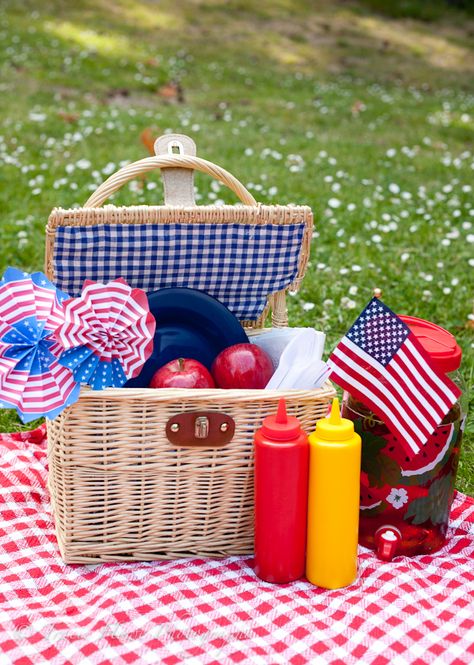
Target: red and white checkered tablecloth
(200,612)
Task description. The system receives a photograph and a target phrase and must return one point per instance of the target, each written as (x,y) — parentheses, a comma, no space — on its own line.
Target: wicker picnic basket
(128,478)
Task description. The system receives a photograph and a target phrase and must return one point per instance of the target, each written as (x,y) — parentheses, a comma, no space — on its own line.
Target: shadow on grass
(420,10)
(106,41)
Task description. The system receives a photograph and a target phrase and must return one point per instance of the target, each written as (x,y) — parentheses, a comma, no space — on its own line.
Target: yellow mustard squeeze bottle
(333,502)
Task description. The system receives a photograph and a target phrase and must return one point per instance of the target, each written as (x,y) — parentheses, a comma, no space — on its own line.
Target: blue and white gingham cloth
(239,264)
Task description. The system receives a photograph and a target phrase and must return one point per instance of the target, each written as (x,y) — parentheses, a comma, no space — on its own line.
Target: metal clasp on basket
(208,429)
(201,427)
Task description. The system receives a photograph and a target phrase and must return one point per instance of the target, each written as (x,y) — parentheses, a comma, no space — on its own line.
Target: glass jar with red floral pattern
(405,502)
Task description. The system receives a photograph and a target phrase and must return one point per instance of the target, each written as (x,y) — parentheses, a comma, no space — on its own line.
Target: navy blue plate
(189,324)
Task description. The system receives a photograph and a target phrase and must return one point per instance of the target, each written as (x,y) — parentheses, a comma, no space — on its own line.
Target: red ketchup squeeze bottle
(281,498)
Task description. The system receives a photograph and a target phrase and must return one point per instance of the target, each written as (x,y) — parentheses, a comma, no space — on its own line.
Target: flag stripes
(371,393)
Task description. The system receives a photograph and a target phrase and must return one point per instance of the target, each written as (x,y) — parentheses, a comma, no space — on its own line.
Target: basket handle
(168,161)
(175,178)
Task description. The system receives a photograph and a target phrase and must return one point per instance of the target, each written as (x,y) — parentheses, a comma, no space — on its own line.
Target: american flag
(383,365)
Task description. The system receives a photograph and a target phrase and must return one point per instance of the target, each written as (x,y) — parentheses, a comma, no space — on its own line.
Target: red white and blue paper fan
(107,334)
(31,379)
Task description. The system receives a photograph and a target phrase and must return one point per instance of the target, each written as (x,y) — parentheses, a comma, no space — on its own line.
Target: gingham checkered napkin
(239,264)
(200,612)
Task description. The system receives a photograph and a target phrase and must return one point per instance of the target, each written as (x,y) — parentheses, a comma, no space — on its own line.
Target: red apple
(182,373)
(242,366)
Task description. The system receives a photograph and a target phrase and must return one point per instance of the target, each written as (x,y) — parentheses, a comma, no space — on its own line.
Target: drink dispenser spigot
(387,541)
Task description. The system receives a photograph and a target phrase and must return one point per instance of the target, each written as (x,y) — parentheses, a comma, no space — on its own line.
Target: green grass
(363,110)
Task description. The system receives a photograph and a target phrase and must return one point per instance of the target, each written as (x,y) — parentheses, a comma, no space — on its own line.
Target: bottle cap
(335,428)
(437,342)
(281,426)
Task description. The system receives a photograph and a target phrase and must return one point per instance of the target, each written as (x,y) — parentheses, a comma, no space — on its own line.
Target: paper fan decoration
(31,379)
(107,334)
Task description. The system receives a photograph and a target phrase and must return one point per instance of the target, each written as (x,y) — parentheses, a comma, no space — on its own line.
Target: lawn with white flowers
(367,118)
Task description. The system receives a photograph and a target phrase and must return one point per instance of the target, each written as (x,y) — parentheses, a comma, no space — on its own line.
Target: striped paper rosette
(107,334)
(31,379)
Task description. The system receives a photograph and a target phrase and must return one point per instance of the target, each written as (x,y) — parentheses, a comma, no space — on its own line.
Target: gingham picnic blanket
(199,612)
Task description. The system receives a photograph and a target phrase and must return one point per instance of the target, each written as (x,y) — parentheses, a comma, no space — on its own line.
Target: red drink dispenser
(405,503)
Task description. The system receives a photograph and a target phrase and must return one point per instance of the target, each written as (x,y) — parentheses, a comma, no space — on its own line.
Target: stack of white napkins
(296,354)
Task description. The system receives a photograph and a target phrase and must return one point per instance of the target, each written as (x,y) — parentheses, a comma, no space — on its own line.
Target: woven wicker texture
(120,490)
